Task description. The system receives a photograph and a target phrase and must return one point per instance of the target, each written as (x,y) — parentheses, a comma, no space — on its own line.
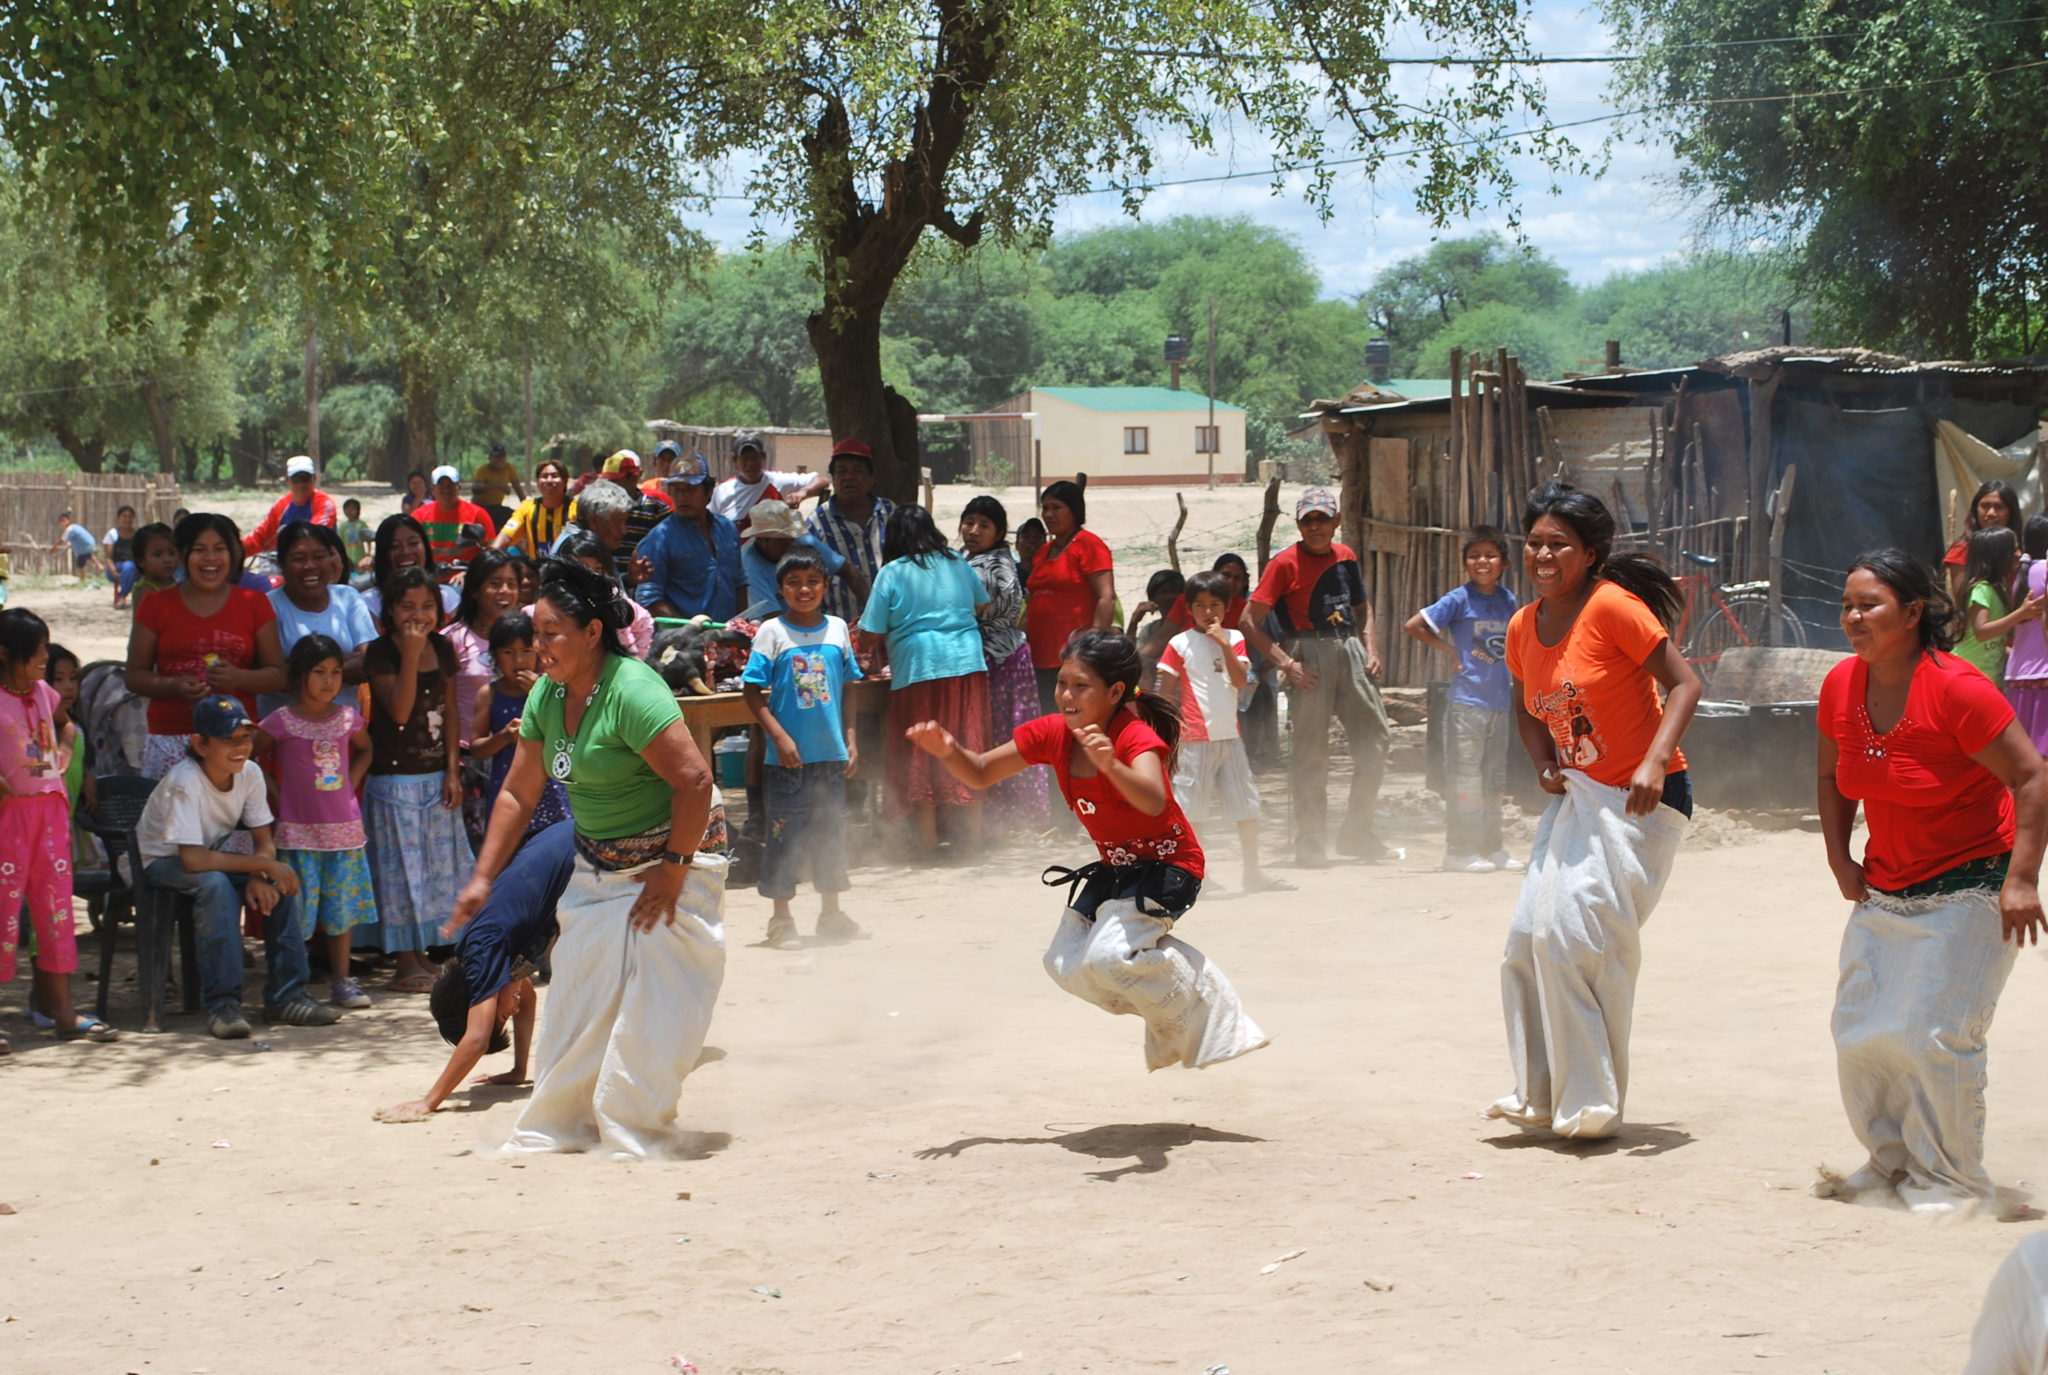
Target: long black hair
(2006,494)
(1587,517)
(1913,583)
(198,523)
(393,589)
(1112,656)
(990,510)
(584,596)
(387,531)
(910,534)
(1069,495)
(1988,557)
(487,562)
(22,633)
(322,535)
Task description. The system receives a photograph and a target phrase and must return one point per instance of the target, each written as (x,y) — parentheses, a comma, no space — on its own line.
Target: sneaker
(227,1023)
(782,934)
(1468,864)
(837,926)
(1504,861)
(301,1011)
(347,993)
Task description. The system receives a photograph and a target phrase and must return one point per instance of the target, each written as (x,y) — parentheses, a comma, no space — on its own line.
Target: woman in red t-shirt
(1111,749)
(207,634)
(1072,584)
(1946,893)
(1588,658)
(1995,504)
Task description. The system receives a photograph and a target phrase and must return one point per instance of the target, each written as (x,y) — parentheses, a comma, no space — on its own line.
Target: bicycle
(1739,615)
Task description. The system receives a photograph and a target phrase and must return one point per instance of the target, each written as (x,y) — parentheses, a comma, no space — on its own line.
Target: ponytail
(1646,579)
(1112,656)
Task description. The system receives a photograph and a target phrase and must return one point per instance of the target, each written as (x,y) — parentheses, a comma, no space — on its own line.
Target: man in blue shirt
(776,530)
(692,559)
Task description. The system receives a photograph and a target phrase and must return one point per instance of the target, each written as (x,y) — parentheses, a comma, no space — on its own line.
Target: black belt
(1158,888)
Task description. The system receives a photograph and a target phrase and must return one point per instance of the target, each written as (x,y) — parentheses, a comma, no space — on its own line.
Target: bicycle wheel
(1744,620)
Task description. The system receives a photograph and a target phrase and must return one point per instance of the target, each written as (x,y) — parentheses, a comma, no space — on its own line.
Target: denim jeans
(806,822)
(1475,777)
(217,920)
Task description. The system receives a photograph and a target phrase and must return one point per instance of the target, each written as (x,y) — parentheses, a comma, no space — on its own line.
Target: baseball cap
(773,518)
(1315,499)
(624,461)
(692,470)
(746,440)
(497,451)
(668,448)
(217,718)
(446,470)
(854,448)
(301,465)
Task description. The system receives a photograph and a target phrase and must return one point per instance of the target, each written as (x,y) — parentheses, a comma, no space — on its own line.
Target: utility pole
(1215,439)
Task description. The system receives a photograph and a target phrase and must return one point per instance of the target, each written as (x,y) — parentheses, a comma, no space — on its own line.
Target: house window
(1205,439)
(1137,439)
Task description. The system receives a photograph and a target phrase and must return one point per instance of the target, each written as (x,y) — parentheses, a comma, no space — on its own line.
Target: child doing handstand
(1111,748)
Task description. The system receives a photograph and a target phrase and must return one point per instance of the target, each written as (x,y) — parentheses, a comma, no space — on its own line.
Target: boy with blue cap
(205,798)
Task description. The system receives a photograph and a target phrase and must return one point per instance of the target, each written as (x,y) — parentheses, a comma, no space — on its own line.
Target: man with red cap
(851,521)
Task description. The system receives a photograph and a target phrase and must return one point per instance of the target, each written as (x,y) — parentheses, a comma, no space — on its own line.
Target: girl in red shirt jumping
(1111,749)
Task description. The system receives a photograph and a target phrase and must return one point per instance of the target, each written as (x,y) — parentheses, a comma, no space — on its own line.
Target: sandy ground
(933,1160)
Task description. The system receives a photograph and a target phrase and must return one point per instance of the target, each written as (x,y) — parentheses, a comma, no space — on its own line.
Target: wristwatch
(671,857)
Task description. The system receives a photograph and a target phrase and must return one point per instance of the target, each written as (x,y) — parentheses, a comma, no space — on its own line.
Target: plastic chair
(155,911)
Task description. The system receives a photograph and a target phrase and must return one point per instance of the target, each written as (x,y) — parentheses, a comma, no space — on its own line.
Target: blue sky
(1631,216)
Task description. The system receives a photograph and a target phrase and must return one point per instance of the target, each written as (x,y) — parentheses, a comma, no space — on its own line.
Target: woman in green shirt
(641,954)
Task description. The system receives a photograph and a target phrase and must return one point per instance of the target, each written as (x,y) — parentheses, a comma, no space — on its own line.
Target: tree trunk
(160,427)
(311,378)
(422,440)
(858,404)
(89,454)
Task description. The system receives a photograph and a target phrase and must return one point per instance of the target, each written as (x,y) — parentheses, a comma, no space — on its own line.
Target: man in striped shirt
(456,529)
(851,521)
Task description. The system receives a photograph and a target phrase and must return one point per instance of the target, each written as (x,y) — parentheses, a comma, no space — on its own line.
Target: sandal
(86,1027)
(413,983)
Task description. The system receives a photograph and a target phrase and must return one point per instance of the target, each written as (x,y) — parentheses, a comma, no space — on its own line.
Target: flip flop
(413,983)
(87,1027)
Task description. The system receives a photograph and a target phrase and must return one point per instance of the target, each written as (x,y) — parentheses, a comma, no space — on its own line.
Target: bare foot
(415,1111)
(507,1080)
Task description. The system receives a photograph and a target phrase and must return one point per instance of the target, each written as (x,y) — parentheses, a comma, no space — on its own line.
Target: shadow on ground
(1147,1145)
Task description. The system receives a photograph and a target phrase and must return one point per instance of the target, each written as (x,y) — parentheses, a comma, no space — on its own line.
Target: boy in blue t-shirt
(796,684)
(1470,623)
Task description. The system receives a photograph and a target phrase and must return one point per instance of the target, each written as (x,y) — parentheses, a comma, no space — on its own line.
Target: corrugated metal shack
(1843,458)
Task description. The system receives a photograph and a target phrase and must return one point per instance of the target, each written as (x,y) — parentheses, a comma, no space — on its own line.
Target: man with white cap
(735,497)
(692,559)
(302,500)
(1328,655)
(455,528)
(775,530)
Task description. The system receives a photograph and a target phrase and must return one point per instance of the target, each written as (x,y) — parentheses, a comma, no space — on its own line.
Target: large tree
(1896,146)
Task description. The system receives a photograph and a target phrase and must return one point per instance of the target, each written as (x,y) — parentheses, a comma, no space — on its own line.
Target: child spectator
(412,803)
(489,982)
(154,567)
(796,685)
(494,728)
(1989,567)
(62,674)
(1205,672)
(1163,590)
(1470,623)
(323,751)
(84,548)
(119,544)
(204,798)
(355,535)
(1030,542)
(2026,668)
(35,826)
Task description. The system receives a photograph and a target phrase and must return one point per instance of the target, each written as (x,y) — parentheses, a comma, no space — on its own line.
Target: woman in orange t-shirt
(1588,657)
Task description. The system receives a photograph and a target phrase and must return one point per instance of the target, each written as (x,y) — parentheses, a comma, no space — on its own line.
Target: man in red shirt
(455,528)
(303,500)
(1328,654)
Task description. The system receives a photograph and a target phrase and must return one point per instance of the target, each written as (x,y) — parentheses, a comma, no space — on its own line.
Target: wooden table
(704,715)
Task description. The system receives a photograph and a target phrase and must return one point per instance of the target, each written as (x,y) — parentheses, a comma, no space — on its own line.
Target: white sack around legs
(2012,1331)
(626,1016)
(1126,962)
(1568,977)
(1920,979)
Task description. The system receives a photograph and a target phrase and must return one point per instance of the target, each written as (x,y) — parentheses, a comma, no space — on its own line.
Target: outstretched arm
(975,769)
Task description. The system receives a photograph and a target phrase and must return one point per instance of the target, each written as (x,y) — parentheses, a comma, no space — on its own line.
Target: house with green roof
(1133,436)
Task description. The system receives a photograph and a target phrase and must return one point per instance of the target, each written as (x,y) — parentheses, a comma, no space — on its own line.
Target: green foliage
(1894,150)
(1697,307)
(1413,301)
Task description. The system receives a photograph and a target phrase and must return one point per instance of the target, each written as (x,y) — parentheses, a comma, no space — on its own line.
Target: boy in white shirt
(200,803)
(1206,670)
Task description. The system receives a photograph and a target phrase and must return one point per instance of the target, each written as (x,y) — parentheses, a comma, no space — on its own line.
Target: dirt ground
(916,1154)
